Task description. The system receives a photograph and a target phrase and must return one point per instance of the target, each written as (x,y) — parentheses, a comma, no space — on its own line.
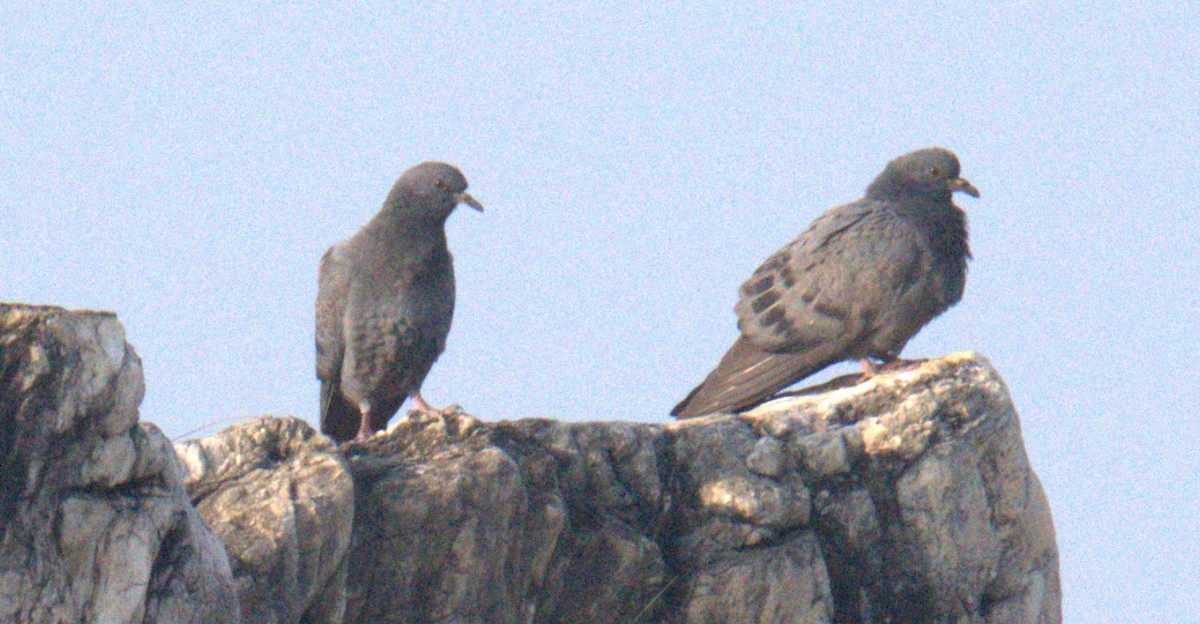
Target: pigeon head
(926,173)
(429,191)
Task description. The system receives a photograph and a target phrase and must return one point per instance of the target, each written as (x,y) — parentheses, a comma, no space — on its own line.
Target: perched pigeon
(385,299)
(861,281)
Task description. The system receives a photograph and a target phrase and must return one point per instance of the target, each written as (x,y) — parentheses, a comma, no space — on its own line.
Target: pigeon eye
(441,184)
(935,171)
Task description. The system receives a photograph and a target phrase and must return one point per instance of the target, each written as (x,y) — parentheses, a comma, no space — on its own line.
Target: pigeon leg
(423,407)
(365,430)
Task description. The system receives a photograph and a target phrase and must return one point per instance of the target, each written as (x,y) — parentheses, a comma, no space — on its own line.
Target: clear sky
(186,166)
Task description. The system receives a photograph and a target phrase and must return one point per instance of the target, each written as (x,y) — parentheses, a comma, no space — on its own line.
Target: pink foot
(421,406)
(364,431)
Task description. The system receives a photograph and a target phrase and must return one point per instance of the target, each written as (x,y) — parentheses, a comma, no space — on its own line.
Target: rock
(940,518)
(96,525)
(283,503)
(785,583)
(454,523)
(767,458)
(905,498)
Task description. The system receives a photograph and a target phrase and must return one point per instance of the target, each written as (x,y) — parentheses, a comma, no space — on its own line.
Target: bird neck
(894,188)
(408,208)
(401,217)
(885,188)
(946,225)
(397,231)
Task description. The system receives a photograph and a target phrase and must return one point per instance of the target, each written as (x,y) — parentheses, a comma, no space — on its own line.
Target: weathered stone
(906,497)
(609,573)
(95,523)
(607,564)
(443,541)
(940,517)
(903,498)
(767,459)
(824,453)
(725,506)
(784,583)
(283,504)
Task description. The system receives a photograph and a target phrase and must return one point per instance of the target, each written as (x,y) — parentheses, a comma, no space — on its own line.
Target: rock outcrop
(903,498)
(283,503)
(95,524)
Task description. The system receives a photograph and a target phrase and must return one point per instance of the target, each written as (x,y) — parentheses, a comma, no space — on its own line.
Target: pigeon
(385,300)
(861,281)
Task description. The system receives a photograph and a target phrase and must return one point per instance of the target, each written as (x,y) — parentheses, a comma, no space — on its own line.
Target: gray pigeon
(385,299)
(861,281)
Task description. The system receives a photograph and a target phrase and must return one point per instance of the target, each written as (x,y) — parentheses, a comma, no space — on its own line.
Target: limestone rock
(273,490)
(95,525)
(941,518)
(904,498)
(455,523)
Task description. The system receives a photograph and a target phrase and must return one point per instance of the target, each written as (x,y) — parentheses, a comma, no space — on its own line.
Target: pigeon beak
(463,198)
(961,184)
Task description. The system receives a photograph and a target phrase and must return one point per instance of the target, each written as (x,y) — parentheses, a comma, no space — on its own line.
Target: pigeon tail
(748,376)
(339,418)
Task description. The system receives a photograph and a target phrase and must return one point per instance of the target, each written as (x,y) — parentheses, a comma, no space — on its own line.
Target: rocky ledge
(904,498)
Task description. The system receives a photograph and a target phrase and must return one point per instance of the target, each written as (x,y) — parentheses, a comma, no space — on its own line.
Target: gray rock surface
(905,498)
(95,525)
(282,502)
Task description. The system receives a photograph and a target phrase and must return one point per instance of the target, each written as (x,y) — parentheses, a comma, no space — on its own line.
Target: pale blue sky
(186,166)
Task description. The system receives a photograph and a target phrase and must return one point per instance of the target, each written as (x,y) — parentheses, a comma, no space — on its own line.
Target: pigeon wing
(829,288)
(811,304)
(339,419)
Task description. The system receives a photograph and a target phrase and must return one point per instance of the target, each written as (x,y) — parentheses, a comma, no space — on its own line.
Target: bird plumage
(858,283)
(385,302)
